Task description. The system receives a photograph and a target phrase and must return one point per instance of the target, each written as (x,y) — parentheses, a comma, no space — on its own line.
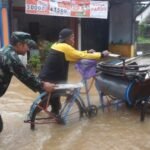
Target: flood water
(109,130)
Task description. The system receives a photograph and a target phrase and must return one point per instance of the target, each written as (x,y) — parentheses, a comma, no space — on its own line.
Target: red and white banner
(37,7)
(99,9)
(69,8)
(80,8)
(60,8)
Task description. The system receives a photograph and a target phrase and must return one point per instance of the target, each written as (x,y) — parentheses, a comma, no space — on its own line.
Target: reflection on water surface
(113,130)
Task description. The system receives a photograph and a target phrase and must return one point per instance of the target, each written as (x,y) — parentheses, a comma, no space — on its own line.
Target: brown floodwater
(109,130)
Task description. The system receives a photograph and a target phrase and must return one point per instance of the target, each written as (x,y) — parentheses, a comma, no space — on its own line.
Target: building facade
(117,33)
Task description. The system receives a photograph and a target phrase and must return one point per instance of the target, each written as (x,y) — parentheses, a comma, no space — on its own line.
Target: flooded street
(109,130)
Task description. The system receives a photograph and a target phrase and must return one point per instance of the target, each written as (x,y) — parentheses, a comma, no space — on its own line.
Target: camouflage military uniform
(10,65)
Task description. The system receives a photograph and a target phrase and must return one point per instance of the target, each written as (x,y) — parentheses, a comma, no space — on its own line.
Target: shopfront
(116,32)
(89,32)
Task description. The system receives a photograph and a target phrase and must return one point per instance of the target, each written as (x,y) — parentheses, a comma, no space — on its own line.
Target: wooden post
(4,23)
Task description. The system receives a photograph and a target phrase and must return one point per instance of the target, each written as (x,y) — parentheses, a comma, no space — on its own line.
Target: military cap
(19,36)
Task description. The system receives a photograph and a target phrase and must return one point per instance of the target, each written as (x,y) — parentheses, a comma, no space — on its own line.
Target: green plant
(144,30)
(143,33)
(141,29)
(35,63)
(44,47)
(141,39)
(47,48)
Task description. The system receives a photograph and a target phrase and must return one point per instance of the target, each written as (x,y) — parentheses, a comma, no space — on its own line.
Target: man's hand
(91,51)
(105,53)
(48,87)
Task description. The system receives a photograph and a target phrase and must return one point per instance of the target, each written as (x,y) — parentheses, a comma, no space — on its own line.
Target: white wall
(143,15)
(23,59)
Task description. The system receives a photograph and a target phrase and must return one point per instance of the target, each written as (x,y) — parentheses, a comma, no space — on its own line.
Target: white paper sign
(99,9)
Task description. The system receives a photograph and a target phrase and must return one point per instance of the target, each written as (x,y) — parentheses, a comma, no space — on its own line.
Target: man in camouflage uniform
(10,65)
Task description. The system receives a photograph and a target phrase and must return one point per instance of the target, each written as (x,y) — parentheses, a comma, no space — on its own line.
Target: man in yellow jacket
(62,52)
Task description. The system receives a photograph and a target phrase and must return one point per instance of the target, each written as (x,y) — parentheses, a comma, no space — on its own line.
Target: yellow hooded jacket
(71,54)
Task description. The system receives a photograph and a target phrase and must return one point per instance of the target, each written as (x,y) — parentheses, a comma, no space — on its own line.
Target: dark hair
(14,41)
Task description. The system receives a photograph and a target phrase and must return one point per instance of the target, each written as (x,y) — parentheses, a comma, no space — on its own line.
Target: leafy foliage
(34,63)
(144,33)
(44,46)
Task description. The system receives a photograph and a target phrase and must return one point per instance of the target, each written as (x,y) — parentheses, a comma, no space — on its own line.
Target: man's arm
(17,68)
(71,54)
